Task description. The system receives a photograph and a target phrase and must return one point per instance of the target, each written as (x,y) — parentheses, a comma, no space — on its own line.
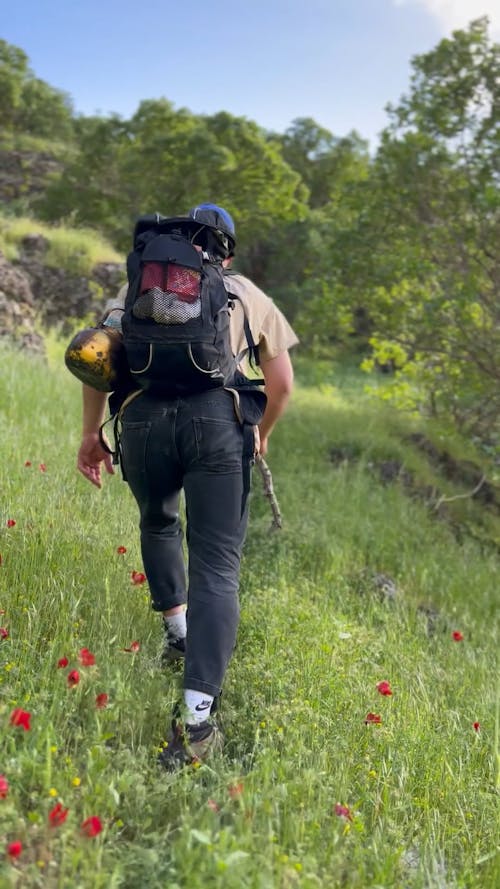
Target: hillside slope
(365,584)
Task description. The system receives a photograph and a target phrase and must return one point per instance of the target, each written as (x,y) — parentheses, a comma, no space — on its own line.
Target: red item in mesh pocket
(184,282)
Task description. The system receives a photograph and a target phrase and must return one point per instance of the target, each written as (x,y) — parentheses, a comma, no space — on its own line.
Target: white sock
(176,625)
(198,706)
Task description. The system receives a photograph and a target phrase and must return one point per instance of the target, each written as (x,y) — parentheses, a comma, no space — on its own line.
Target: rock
(61,296)
(17,313)
(14,284)
(32,293)
(384,586)
(34,245)
(109,276)
(378,585)
(24,174)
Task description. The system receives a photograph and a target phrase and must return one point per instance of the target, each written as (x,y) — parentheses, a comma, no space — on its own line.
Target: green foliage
(314,641)
(394,255)
(426,258)
(28,104)
(167,160)
(324,161)
(13,71)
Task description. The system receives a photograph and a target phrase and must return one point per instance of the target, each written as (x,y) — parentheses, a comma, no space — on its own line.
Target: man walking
(198,443)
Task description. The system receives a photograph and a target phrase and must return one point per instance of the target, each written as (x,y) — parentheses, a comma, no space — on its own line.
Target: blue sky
(337,61)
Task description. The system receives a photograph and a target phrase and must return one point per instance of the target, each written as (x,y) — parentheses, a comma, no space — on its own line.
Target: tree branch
(444,499)
(267,481)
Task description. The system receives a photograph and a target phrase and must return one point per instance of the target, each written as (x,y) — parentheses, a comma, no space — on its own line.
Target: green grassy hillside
(368,580)
(76,250)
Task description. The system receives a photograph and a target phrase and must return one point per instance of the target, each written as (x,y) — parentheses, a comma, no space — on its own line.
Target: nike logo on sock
(203,706)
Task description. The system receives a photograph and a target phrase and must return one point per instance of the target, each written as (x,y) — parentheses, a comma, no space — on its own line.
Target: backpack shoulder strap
(253,347)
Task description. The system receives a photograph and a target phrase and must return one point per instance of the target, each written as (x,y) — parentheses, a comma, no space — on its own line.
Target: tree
(27,104)
(44,111)
(168,160)
(89,191)
(322,159)
(258,187)
(305,257)
(13,72)
(426,249)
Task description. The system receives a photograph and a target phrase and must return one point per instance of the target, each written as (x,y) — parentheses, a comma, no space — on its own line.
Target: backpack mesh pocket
(169,294)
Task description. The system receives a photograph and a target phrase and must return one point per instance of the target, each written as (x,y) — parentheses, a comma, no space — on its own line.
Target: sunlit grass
(314,641)
(77,250)
(13,141)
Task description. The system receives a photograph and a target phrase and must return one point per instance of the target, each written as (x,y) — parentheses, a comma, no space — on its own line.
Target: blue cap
(217,219)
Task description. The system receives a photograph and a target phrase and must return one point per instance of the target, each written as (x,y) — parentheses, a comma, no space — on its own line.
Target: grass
(14,141)
(315,639)
(77,250)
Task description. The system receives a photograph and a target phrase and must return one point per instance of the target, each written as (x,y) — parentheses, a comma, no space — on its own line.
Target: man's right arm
(278,375)
(91,453)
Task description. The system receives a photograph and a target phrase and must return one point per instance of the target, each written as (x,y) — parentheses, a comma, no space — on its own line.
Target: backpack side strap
(116,420)
(253,347)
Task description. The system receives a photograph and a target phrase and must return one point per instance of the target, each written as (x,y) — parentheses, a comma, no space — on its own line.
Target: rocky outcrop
(24,174)
(35,295)
(17,311)
(61,295)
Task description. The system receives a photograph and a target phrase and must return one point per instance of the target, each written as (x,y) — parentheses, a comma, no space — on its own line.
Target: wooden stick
(444,499)
(267,481)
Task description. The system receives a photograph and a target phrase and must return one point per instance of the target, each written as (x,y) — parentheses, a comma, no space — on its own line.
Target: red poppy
(20,717)
(476,726)
(134,646)
(373,718)
(121,550)
(384,688)
(1,612)
(343,811)
(213,806)
(14,849)
(11,523)
(137,577)
(101,700)
(235,790)
(28,463)
(4,633)
(4,787)
(86,658)
(63,662)
(73,678)
(42,467)
(58,815)
(457,636)
(92,826)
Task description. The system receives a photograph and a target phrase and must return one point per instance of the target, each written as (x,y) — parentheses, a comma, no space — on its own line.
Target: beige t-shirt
(270,329)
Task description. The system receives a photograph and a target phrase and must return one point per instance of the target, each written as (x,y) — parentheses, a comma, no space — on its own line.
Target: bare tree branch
(267,480)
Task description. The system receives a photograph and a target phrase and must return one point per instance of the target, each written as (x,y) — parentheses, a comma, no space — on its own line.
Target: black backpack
(176,318)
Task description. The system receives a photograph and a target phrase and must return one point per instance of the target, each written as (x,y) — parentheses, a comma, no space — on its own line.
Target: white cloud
(453,14)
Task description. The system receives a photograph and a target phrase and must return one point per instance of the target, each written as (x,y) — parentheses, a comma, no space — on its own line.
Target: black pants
(194,443)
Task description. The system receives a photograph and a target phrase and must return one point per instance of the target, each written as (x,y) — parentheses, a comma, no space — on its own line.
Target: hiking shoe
(190,744)
(173,650)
